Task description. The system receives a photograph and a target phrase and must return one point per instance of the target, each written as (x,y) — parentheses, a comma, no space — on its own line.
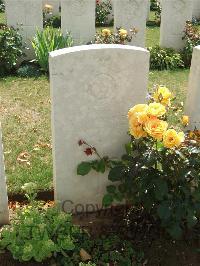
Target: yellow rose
(123,33)
(156,128)
(173,139)
(139,111)
(156,109)
(106,32)
(162,95)
(48,7)
(136,128)
(185,120)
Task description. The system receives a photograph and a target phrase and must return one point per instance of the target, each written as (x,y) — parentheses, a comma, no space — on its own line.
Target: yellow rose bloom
(185,120)
(106,32)
(48,7)
(136,128)
(139,108)
(156,128)
(162,95)
(173,139)
(156,109)
(123,33)
(139,111)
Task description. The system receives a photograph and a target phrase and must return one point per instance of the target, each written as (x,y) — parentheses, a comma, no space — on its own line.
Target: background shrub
(192,39)
(28,71)
(54,21)
(164,58)
(154,4)
(2,6)
(10,49)
(47,41)
(103,10)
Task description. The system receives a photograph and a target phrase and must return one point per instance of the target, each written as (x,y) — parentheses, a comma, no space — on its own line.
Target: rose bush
(160,170)
(121,36)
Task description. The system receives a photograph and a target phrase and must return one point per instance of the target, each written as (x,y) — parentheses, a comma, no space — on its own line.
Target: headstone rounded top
(91,47)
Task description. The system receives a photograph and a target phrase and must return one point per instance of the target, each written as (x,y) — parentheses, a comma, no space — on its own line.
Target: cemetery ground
(25,108)
(25,115)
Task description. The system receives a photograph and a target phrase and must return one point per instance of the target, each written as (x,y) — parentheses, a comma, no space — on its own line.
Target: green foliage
(28,71)
(87,264)
(98,165)
(192,39)
(47,41)
(103,10)
(53,21)
(158,173)
(154,4)
(112,250)
(10,49)
(165,182)
(164,59)
(2,6)
(39,234)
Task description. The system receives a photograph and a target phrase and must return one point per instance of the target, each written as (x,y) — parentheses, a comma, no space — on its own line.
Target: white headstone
(196,9)
(27,16)
(130,14)
(4,214)
(148,10)
(193,96)
(55,4)
(174,15)
(78,17)
(92,87)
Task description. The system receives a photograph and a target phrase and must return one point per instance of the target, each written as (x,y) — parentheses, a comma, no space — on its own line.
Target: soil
(7,260)
(145,234)
(41,195)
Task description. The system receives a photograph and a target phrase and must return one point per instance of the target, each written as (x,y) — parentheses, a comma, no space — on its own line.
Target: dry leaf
(23,158)
(84,255)
(41,145)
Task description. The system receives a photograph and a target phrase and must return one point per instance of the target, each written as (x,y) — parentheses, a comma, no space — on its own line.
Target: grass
(2,18)
(25,115)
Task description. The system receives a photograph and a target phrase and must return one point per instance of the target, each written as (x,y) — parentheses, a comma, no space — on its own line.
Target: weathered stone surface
(78,17)
(148,9)
(129,14)
(26,15)
(174,15)
(193,95)
(92,88)
(4,215)
(196,9)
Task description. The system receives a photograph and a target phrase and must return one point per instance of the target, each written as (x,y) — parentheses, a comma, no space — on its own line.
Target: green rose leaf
(111,189)
(115,173)
(84,168)
(164,211)
(107,200)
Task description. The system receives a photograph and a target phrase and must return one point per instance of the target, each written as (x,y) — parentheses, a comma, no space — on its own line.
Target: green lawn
(2,18)
(25,115)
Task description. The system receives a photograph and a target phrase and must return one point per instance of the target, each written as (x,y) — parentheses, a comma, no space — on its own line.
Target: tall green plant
(47,41)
